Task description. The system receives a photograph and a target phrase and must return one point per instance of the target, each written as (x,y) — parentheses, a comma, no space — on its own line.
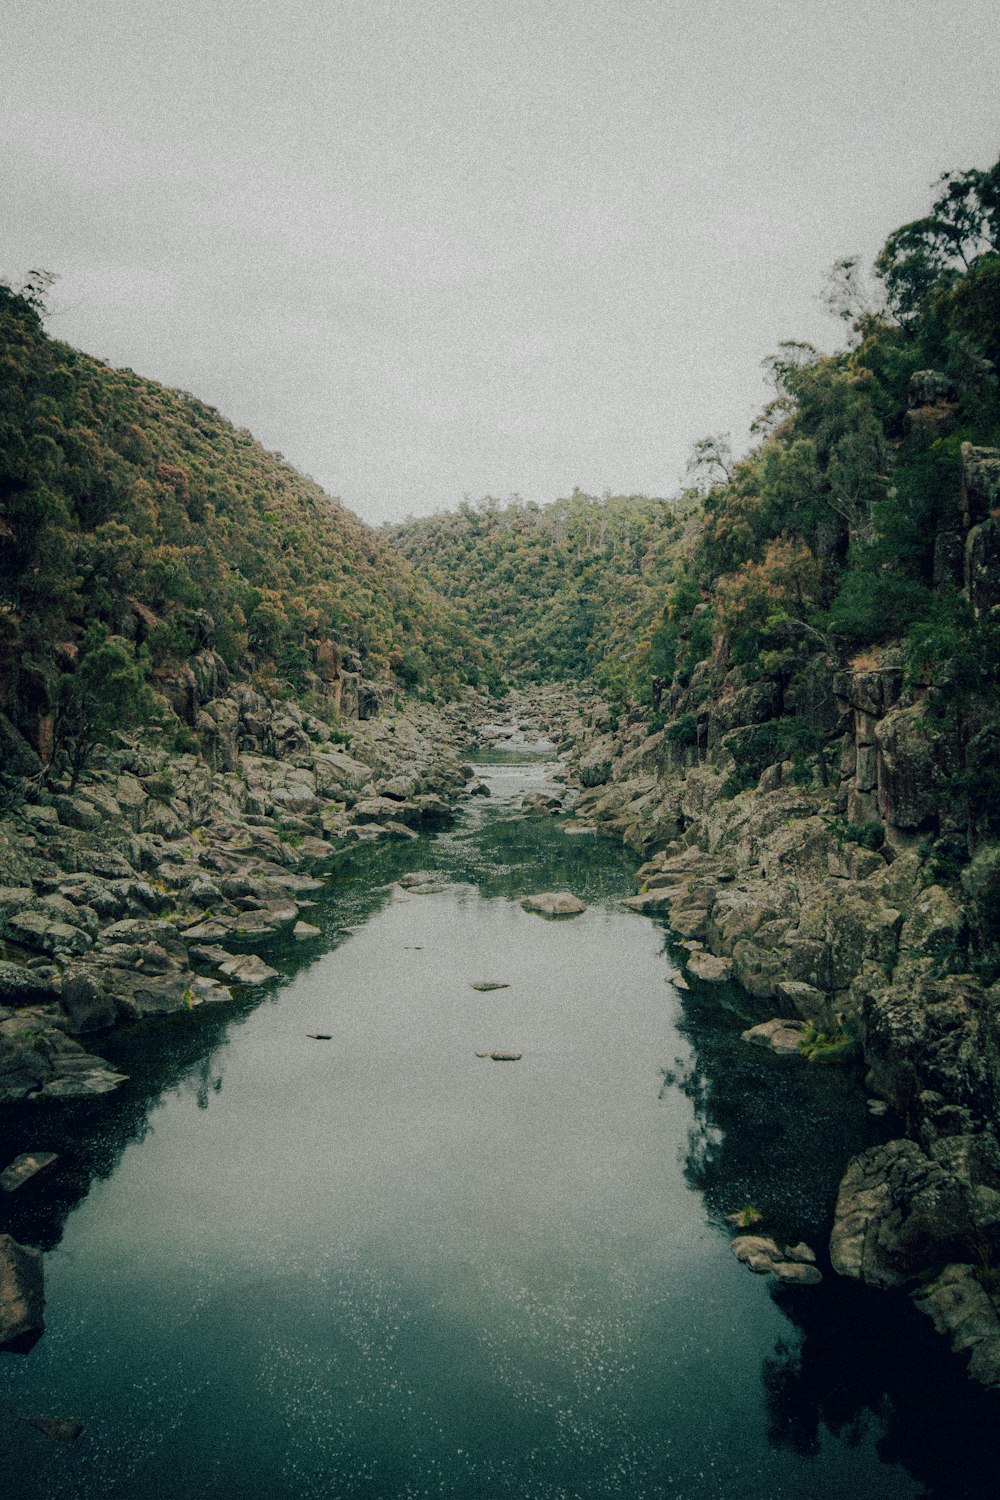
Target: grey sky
(442,246)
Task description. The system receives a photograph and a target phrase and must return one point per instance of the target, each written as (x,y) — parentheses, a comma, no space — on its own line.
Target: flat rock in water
(431,888)
(779,1036)
(554,904)
(62,1429)
(24,1167)
(709,969)
(484,985)
(247,968)
(303,931)
(416,877)
(22,1292)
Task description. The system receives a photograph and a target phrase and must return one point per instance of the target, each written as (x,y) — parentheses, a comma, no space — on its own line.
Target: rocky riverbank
(836,920)
(155,884)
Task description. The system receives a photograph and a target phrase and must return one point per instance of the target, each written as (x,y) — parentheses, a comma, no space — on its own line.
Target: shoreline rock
(22,1295)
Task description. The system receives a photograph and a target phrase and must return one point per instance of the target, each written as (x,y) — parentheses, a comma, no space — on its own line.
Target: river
(379,1265)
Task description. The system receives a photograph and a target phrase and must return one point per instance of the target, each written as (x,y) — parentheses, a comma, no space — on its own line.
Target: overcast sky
(438,247)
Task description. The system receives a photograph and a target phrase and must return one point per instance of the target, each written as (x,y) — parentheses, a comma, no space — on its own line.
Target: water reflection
(855,1366)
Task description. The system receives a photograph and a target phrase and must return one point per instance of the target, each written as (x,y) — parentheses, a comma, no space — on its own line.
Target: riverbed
(320,1246)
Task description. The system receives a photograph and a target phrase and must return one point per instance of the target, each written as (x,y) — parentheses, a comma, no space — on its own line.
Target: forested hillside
(862,527)
(139,528)
(559,591)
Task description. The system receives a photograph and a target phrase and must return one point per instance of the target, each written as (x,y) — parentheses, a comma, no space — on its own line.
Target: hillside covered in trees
(138,528)
(557,591)
(862,525)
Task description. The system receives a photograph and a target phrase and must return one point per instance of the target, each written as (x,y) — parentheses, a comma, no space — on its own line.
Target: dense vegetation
(843,532)
(137,524)
(560,591)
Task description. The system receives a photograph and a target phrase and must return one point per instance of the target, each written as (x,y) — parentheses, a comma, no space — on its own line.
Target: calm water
(380,1266)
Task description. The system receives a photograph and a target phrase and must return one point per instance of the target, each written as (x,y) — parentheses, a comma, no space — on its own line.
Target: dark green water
(380,1266)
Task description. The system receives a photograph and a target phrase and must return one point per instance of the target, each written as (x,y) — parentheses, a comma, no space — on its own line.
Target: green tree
(105,692)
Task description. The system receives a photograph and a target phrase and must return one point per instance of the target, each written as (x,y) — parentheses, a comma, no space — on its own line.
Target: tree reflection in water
(856,1365)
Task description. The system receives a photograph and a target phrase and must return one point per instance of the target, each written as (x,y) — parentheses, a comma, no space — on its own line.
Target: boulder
(78,812)
(21,986)
(897,1213)
(247,968)
(36,930)
(399,788)
(539,805)
(377,810)
(651,903)
(757,1251)
(765,1256)
(779,1035)
(709,969)
(87,1004)
(554,904)
(808,1002)
(22,1293)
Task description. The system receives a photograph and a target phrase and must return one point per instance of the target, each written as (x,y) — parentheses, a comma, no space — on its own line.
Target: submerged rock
(22,1293)
(61,1429)
(554,904)
(485,985)
(21,1170)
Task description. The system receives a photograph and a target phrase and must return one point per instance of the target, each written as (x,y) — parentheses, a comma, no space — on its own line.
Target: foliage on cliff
(139,510)
(866,514)
(558,591)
